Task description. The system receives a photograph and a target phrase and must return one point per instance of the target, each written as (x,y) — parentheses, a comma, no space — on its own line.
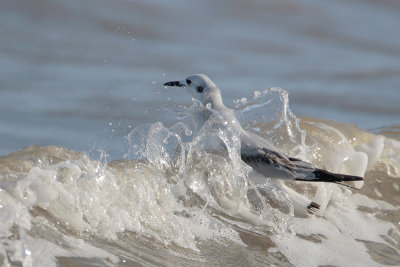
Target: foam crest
(90,197)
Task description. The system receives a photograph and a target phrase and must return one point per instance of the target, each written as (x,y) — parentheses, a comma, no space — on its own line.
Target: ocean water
(101,165)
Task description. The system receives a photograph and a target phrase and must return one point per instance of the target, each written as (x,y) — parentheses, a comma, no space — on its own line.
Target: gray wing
(267,160)
(273,164)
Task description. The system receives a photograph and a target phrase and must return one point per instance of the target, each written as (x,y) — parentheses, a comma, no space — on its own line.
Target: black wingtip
(325,176)
(355,178)
(320,175)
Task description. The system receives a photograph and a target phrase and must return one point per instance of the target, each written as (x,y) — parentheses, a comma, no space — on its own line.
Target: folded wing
(273,164)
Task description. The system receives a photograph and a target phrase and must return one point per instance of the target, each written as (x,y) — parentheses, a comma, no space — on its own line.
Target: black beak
(174,83)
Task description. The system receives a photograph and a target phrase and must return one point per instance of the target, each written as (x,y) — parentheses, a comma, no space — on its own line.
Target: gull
(256,151)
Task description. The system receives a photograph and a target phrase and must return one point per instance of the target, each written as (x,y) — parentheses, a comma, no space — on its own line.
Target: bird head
(201,87)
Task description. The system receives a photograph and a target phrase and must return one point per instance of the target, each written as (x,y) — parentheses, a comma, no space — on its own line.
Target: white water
(181,190)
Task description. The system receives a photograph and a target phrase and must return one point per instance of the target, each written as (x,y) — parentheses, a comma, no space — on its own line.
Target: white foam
(373,149)
(391,156)
(12,212)
(342,229)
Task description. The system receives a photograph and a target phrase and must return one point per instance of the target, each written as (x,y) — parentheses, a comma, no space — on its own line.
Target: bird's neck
(217,103)
(227,114)
(215,98)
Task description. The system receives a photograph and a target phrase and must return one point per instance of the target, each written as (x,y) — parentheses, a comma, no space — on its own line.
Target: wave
(184,190)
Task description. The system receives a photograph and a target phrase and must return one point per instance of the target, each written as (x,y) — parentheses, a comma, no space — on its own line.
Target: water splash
(268,115)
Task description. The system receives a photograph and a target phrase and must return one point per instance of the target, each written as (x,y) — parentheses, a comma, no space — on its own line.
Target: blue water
(81,74)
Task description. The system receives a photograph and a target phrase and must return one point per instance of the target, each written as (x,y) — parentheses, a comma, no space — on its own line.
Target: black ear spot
(188,81)
(199,89)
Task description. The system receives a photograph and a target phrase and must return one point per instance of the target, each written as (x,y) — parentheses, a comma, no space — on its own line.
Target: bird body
(256,151)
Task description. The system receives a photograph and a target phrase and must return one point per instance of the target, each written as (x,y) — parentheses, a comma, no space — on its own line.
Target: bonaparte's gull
(256,151)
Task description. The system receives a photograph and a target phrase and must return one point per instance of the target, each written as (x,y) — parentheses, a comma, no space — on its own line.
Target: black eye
(188,81)
(199,89)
